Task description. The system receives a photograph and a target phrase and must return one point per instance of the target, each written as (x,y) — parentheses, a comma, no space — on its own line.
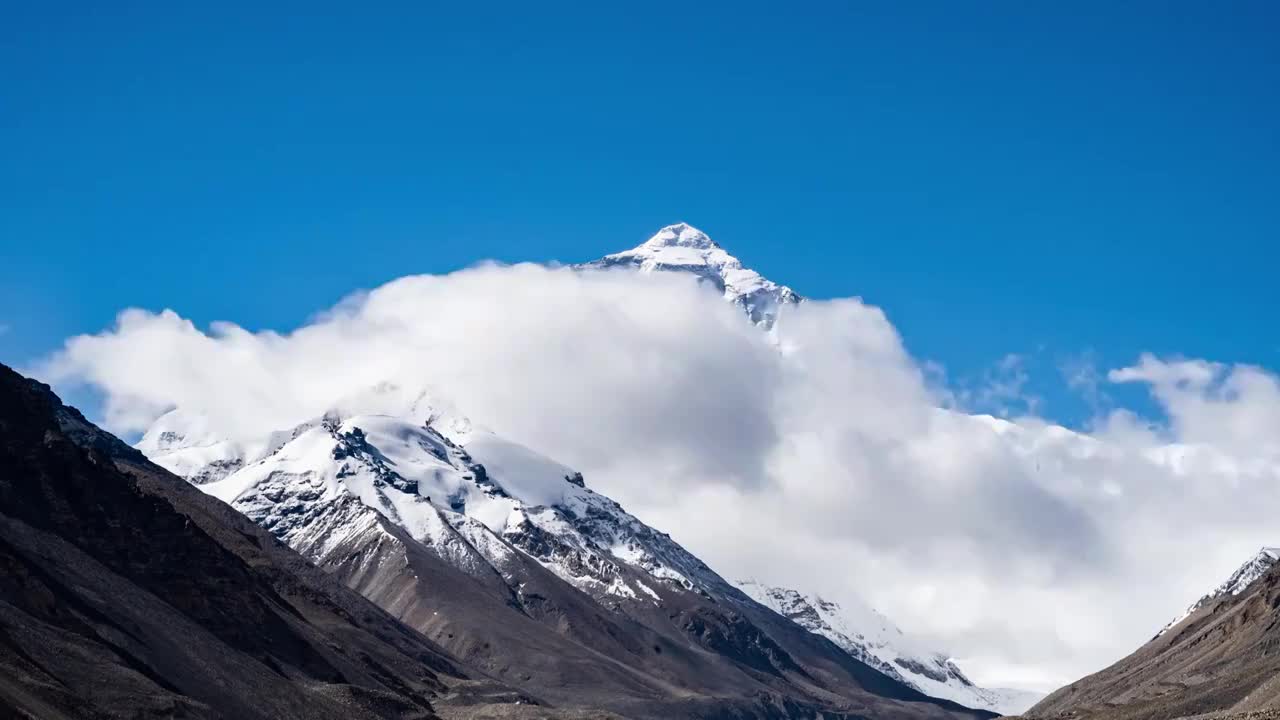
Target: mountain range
(390,477)
(393,558)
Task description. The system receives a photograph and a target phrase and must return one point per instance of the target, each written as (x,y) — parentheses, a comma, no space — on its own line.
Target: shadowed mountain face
(681,248)
(1223,658)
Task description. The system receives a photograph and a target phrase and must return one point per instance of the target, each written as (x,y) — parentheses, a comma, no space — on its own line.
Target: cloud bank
(822,458)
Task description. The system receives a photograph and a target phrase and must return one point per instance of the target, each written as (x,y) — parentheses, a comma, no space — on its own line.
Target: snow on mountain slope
(191,449)
(1244,576)
(869,636)
(683,248)
(315,485)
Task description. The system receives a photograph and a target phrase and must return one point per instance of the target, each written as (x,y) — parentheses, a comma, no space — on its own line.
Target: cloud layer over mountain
(818,457)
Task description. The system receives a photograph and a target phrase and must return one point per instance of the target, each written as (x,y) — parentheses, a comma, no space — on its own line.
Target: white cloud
(1033,553)
(1235,408)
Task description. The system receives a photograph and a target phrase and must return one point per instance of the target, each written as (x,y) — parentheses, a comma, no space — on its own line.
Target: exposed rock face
(1222,658)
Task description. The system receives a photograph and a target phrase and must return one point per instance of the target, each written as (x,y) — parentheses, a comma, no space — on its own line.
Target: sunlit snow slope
(864,633)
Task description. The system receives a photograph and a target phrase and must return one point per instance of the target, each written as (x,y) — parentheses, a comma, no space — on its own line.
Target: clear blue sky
(1044,178)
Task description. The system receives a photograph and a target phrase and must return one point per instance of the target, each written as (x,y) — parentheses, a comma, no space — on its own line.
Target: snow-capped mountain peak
(435,475)
(1244,576)
(869,636)
(680,235)
(686,249)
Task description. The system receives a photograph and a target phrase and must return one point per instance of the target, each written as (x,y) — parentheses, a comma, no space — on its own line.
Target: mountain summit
(680,235)
(684,248)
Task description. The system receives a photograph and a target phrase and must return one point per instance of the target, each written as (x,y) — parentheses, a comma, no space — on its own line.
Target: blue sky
(1052,180)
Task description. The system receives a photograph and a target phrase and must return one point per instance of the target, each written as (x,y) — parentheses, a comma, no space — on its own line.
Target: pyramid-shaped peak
(684,248)
(680,235)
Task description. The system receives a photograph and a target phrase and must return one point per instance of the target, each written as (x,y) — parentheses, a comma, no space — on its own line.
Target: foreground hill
(1221,660)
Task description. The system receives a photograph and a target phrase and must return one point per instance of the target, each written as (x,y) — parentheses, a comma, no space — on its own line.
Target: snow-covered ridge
(1244,576)
(472,496)
(684,248)
(869,636)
